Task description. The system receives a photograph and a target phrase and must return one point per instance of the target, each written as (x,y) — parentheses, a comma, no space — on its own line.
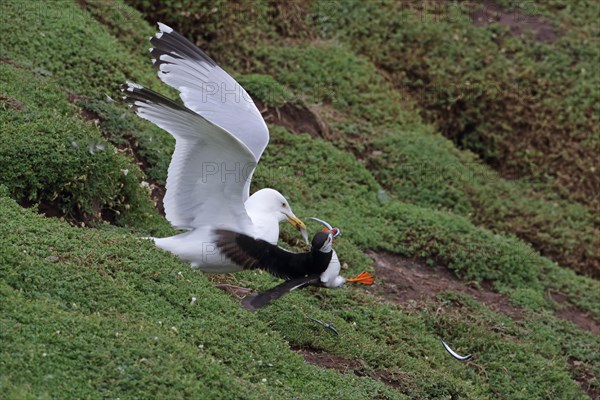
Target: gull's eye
(283,205)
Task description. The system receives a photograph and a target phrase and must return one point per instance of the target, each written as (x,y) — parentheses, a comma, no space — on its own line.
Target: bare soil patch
(403,280)
(85,114)
(297,118)
(10,103)
(327,360)
(519,22)
(7,60)
(323,359)
(585,377)
(576,315)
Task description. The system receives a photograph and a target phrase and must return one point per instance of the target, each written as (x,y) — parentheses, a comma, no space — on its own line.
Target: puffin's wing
(207,89)
(255,301)
(250,253)
(209,168)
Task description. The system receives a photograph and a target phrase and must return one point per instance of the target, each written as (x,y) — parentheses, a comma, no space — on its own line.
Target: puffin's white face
(323,241)
(328,243)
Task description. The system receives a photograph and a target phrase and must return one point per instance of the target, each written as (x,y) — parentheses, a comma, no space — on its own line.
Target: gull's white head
(270,201)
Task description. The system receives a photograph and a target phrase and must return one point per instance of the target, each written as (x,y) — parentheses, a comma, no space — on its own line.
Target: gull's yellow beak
(298,224)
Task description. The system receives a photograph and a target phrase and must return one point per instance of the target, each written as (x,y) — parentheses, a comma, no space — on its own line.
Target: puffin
(220,136)
(319,266)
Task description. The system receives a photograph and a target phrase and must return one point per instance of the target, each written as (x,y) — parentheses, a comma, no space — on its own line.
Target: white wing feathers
(208,90)
(210,169)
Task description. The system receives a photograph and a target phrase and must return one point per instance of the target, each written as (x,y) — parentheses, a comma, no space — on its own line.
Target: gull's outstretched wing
(255,301)
(209,168)
(250,253)
(207,89)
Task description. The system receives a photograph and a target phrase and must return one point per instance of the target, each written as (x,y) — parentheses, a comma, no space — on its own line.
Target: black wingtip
(137,93)
(171,43)
(248,302)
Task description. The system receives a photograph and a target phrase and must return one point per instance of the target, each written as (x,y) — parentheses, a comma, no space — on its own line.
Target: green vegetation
(54,159)
(87,312)
(333,53)
(485,86)
(92,310)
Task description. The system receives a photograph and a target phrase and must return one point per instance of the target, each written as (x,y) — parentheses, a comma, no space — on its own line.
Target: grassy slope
(526,106)
(482,86)
(92,309)
(338,60)
(422,167)
(90,312)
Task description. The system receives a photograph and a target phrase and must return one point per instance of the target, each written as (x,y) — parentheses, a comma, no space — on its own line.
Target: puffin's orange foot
(364,278)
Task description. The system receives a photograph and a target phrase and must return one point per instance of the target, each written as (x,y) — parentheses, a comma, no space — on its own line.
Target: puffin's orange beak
(335,232)
(364,277)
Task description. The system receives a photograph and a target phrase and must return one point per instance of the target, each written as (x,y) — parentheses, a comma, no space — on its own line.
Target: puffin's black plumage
(250,253)
(319,266)
(258,300)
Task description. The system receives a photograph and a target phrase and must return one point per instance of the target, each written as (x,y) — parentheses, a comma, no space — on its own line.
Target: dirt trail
(297,118)
(518,20)
(326,360)
(570,312)
(402,280)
